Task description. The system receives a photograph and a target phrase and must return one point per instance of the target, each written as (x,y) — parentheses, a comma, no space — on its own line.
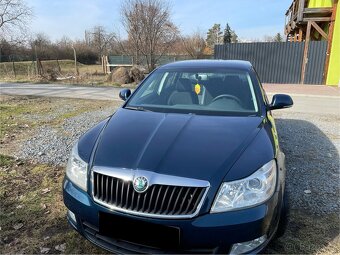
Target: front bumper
(206,233)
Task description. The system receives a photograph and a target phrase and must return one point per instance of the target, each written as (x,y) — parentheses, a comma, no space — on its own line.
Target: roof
(233,64)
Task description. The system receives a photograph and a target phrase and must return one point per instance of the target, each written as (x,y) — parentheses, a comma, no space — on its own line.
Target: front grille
(164,200)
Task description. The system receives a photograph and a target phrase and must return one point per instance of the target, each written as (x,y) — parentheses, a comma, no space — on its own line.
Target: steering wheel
(227,96)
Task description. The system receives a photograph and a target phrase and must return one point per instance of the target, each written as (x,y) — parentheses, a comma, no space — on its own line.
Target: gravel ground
(52,145)
(310,142)
(312,145)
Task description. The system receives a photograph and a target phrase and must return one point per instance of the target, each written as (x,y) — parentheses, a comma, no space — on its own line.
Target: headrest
(183,85)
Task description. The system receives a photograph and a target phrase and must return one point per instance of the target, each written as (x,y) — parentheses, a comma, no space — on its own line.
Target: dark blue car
(190,163)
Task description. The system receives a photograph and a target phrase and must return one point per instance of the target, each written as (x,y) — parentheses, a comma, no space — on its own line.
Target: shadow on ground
(312,161)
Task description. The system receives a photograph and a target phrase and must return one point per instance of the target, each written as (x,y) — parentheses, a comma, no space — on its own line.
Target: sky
(250,19)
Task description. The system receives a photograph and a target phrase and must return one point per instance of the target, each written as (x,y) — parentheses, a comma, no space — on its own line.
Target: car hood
(186,145)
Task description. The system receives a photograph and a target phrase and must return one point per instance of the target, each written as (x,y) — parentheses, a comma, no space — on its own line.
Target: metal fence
(279,62)
(316,62)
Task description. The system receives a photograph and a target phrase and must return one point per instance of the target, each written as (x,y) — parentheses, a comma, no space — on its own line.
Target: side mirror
(281,101)
(124,94)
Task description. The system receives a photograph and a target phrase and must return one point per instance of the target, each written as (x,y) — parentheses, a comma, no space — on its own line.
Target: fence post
(36,60)
(14,71)
(305,53)
(59,68)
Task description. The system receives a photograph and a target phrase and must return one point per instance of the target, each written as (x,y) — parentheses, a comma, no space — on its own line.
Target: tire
(284,217)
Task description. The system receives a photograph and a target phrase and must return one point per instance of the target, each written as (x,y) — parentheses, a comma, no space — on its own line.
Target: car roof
(208,63)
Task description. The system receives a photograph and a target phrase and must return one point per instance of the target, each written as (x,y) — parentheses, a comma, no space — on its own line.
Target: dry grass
(25,72)
(32,212)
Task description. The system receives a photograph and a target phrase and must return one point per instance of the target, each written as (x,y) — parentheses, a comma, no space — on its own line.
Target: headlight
(247,192)
(76,169)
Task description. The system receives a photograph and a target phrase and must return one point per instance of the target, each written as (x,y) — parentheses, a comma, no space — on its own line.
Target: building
(316,20)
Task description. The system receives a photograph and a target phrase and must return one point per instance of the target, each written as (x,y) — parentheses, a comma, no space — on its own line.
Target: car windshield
(212,92)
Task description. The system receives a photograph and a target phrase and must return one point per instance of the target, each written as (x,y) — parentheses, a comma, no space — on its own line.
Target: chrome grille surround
(190,186)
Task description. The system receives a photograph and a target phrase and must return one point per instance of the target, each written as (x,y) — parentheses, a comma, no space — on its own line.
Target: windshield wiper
(137,108)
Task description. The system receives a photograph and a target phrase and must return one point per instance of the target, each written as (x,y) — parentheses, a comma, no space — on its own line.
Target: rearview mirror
(124,94)
(281,101)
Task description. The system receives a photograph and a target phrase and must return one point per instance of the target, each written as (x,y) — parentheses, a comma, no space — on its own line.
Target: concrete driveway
(59,90)
(307,98)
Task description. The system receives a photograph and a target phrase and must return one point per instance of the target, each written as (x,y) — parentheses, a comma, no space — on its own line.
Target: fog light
(72,216)
(239,248)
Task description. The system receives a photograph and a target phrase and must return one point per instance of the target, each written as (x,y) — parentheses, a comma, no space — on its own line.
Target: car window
(212,92)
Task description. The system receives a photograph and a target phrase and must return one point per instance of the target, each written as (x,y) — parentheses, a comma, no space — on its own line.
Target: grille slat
(102,187)
(170,200)
(163,200)
(166,200)
(184,199)
(155,208)
(127,196)
(196,201)
(117,184)
(151,196)
(176,201)
(122,201)
(107,189)
(190,201)
(111,195)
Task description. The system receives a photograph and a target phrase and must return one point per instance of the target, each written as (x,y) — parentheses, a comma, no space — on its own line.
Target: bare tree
(100,39)
(14,17)
(150,30)
(194,45)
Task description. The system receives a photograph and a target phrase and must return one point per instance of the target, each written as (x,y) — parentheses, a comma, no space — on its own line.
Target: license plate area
(139,232)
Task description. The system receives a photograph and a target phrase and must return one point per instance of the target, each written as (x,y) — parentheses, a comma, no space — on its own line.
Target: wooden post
(330,41)
(36,60)
(300,10)
(75,61)
(102,61)
(305,53)
(300,35)
(14,71)
(320,31)
(59,68)
(106,66)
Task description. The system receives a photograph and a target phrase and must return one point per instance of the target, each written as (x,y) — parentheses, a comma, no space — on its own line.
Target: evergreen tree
(227,36)
(278,38)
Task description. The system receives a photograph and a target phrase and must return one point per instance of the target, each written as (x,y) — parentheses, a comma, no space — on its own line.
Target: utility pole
(75,61)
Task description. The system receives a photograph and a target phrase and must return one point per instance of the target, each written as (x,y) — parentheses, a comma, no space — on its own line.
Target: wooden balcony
(298,15)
